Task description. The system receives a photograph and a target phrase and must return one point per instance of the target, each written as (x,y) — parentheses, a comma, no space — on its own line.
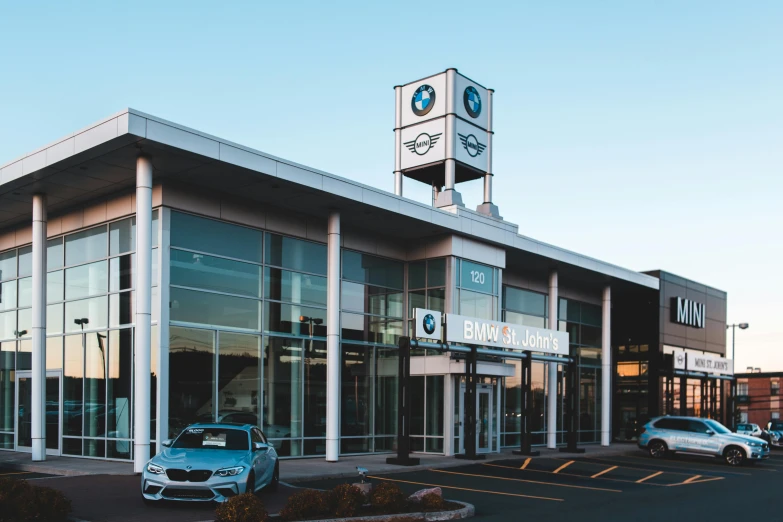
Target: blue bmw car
(211,462)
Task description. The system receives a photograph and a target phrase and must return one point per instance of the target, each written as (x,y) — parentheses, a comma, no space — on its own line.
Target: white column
(38,405)
(143,318)
(333,339)
(397,140)
(606,368)
(164,236)
(551,400)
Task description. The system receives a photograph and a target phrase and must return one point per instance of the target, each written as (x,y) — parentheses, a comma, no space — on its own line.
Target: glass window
(386,391)
(214,309)
(294,287)
(214,273)
(435,405)
(121,272)
(119,384)
(73,380)
(55,286)
(25,292)
(417,275)
(436,272)
(371,299)
(238,377)
(86,280)
(371,329)
(416,299)
(24,354)
(524,301)
(95,384)
(122,236)
(315,391)
(477,305)
(208,235)
(356,377)
(283,391)
(85,246)
(25,322)
(296,254)
(294,319)
(54,253)
(476,277)
(8,295)
(26,261)
(525,319)
(591,336)
(54,319)
(7,325)
(436,299)
(377,271)
(591,314)
(7,367)
(8,265)
(54,353)
(94,310)
(121,308)
(191,376)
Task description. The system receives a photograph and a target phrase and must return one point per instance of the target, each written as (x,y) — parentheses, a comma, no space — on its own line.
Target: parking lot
(618,487)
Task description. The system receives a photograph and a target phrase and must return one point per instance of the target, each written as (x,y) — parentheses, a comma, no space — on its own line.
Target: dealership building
(152,276)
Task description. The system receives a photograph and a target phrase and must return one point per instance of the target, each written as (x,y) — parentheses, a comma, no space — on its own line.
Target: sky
(645,134)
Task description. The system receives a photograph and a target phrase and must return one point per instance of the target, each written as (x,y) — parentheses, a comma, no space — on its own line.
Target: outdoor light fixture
(743,326)
(81,322)
(20,333)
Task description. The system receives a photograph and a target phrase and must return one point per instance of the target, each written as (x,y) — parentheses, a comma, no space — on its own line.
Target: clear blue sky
(647,134)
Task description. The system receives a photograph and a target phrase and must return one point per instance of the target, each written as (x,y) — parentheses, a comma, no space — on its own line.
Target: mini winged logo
(423,143)
(471,144)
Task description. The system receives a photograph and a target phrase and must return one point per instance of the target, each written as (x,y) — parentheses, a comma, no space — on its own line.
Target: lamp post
(310,321)
(742,326)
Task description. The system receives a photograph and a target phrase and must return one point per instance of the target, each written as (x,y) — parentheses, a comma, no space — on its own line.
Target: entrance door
(484,418)
(24,423)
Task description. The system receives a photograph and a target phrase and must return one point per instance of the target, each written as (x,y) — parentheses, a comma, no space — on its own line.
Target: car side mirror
(710,433)
(260,446)
(167,443)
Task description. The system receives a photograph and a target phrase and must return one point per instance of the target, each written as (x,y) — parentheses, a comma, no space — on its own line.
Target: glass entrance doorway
(24,392)
(486,418)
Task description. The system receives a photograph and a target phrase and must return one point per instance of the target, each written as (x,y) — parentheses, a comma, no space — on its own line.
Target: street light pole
(742,326)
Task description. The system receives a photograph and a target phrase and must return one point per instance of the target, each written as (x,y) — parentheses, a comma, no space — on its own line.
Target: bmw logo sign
(429,324)
(472,101)
(423,100)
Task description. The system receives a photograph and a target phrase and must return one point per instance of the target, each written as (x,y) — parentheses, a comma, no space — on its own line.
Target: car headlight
(155,469)
(755,444)
(229,472)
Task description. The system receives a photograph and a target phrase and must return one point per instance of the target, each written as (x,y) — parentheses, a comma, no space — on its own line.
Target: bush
(305,504)
(345,500)
(432,502)
(22,502)
(242,508)
(387,497)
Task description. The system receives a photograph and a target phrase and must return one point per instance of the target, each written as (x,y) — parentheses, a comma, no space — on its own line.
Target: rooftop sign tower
(443,136)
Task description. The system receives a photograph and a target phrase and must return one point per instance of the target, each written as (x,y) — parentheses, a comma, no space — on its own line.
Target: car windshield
(777,425)
(717,427)
(213,438)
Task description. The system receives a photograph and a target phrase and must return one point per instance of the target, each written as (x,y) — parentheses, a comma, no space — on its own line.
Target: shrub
(22,502)
(242,508)
(432,502)
(345,500)
(305,504)
(387,497)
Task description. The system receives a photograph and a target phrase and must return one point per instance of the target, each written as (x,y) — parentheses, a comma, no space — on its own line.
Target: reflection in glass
(356,392)
(416,299)
(25,292)
(386,377)
(525,319)
(122,236)
(215,273)
(54,253)
(25,321)
(436,299)
(55,286)
(474,304)
(54,353)
(417,275)
(54,319)
(7,324)
(118,388)
(121,273)
(295,254)
(24,354)
(86,280)
(94,390)
(315,394)
(282,414)
(214,309)
(378,271)
(436,272)
(370,329)
(371,299)
(294,287)
(8,265)
(284,318)
(7,367)
(524,301)
(73,374)
(85,246)
(8,295)
(94,309)
(26,261)
(208,235)
(121,308)
(238,377)
(192,377)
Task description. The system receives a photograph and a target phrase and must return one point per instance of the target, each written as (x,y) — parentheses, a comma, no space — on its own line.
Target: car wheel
(275,478)
(657,449)
(734,456)
(251,483)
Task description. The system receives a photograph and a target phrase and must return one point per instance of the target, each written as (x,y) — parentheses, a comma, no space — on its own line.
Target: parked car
(211,462)
(749,429)
(774,433)
(665,435)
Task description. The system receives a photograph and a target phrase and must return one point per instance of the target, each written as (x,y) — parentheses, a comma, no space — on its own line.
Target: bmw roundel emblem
(472,101)
(429,324)
(423,100)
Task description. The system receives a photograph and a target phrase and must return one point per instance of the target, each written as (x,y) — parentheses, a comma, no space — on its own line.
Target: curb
(467,511)
(49,470)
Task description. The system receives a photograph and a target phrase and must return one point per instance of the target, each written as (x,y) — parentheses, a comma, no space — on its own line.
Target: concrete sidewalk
(291,470)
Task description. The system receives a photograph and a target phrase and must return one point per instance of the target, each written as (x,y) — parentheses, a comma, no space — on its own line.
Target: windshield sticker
(218,440)
(196,431)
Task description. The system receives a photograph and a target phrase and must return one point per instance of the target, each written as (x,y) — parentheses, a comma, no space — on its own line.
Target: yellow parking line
(528,481)
(469,489)
(527,461)
(649,477)
(607,470)
(709,479)
(568,474)
(564,466)
(688,481)
(657,464)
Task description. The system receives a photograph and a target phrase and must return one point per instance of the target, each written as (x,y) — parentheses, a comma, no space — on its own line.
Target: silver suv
(665,435)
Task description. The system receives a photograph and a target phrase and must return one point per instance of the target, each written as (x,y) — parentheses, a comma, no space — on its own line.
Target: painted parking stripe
(527,461)
(569,474)
(564,466)
(469,489)
(656,464)
(607,470)
(645,479)
(528,481)
(688,481)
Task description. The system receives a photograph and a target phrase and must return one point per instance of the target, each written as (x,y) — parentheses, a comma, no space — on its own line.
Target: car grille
(200,494)
(183,475)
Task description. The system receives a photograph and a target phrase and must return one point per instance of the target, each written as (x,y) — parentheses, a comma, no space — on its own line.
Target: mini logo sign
(471,144)
(428,323)
(423,143)
(689,313)
(423,100)
(472,101)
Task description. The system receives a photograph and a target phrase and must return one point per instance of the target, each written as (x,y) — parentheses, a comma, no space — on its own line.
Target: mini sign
(687,312)
(703,363)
